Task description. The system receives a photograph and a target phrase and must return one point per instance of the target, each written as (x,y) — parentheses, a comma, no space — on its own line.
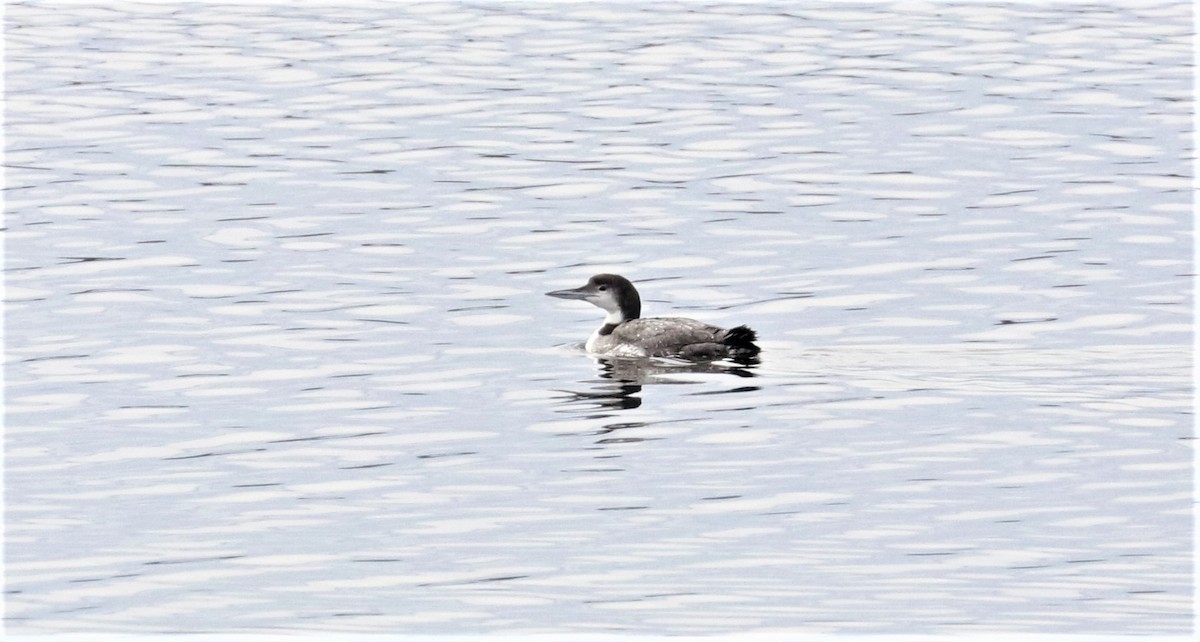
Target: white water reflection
(278,357)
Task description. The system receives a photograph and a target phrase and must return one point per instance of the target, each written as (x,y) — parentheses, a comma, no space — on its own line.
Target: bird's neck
(611,321)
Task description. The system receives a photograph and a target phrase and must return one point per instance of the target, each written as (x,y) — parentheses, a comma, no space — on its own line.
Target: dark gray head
(610,292)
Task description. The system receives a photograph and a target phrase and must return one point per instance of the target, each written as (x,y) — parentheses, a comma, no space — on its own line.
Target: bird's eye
(602,288)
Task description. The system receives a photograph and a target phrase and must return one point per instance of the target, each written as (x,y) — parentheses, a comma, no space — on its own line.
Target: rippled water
(279,357)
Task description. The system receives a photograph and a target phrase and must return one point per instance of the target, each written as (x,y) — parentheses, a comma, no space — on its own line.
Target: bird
(626,333)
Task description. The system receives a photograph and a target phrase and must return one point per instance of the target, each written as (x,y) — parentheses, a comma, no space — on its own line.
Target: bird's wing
(663,336)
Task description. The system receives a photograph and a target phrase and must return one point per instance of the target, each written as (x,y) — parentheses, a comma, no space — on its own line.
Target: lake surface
(279,358)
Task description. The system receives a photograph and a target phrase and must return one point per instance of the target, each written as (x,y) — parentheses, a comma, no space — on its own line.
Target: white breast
(607,344)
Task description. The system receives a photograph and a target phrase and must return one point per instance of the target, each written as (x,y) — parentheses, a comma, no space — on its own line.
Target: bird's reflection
(620,380)
(615,395)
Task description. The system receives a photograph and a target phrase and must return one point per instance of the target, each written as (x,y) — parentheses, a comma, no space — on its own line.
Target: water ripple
(278,355)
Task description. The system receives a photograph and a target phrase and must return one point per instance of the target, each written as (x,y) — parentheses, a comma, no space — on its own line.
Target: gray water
(279,359)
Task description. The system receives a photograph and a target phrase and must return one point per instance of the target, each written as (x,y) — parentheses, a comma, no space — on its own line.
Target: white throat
(614,317)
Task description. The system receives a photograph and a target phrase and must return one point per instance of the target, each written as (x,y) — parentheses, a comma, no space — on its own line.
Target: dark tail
(740,341)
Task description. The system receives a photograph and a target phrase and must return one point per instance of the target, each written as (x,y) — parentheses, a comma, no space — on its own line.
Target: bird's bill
(576,293)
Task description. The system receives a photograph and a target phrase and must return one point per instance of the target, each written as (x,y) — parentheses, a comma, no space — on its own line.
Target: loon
(626,334)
